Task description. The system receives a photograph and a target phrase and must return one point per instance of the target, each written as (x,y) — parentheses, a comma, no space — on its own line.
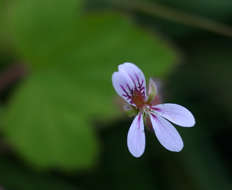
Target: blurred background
(60,123)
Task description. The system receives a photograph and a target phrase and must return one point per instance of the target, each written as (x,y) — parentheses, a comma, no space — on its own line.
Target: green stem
(176,16)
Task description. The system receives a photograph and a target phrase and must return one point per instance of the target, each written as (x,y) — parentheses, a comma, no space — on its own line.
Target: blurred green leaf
(46,125)
(107,41)
(102,42)
(47,34)
(4,36)
(44,29)
(73,59)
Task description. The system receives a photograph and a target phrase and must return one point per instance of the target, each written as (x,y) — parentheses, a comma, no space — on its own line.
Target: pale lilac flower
(129,82)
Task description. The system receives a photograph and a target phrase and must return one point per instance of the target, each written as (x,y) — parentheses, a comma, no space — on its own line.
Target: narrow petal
(135,74)
(176,114)
(167,135)
(136,137)
(122,85)
(152,90)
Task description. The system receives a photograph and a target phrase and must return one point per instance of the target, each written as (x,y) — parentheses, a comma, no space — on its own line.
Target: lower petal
(136,137)
(167,135)
(176,113)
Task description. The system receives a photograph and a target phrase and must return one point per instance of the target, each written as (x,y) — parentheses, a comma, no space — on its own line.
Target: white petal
(136,137)
(176,114)
(122,85)
(167,135)
(135,74)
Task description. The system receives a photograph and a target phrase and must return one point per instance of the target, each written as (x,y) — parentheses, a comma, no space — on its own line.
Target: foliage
(61,127)
(72,56)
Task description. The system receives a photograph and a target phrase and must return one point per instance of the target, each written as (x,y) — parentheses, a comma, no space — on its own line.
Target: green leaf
(46,125)
(48,33)
(44,29)
(72,59)
(101,43)
(108,40)
(4,34)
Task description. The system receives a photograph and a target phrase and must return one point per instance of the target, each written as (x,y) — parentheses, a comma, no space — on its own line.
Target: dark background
(61,126)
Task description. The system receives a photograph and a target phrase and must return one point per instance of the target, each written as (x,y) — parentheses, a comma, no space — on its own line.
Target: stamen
(138,98)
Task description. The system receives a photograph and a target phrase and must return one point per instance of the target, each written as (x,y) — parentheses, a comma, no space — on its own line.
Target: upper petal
(176,114)
(136,137)
(134,73)
(167,135)
(123,85)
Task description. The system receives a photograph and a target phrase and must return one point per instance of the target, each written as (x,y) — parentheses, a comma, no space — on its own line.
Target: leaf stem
(178,16)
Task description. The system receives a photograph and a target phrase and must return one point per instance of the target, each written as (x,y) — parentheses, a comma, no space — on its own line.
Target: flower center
(138,98)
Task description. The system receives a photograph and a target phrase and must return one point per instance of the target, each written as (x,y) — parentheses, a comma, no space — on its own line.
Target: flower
(129,82)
